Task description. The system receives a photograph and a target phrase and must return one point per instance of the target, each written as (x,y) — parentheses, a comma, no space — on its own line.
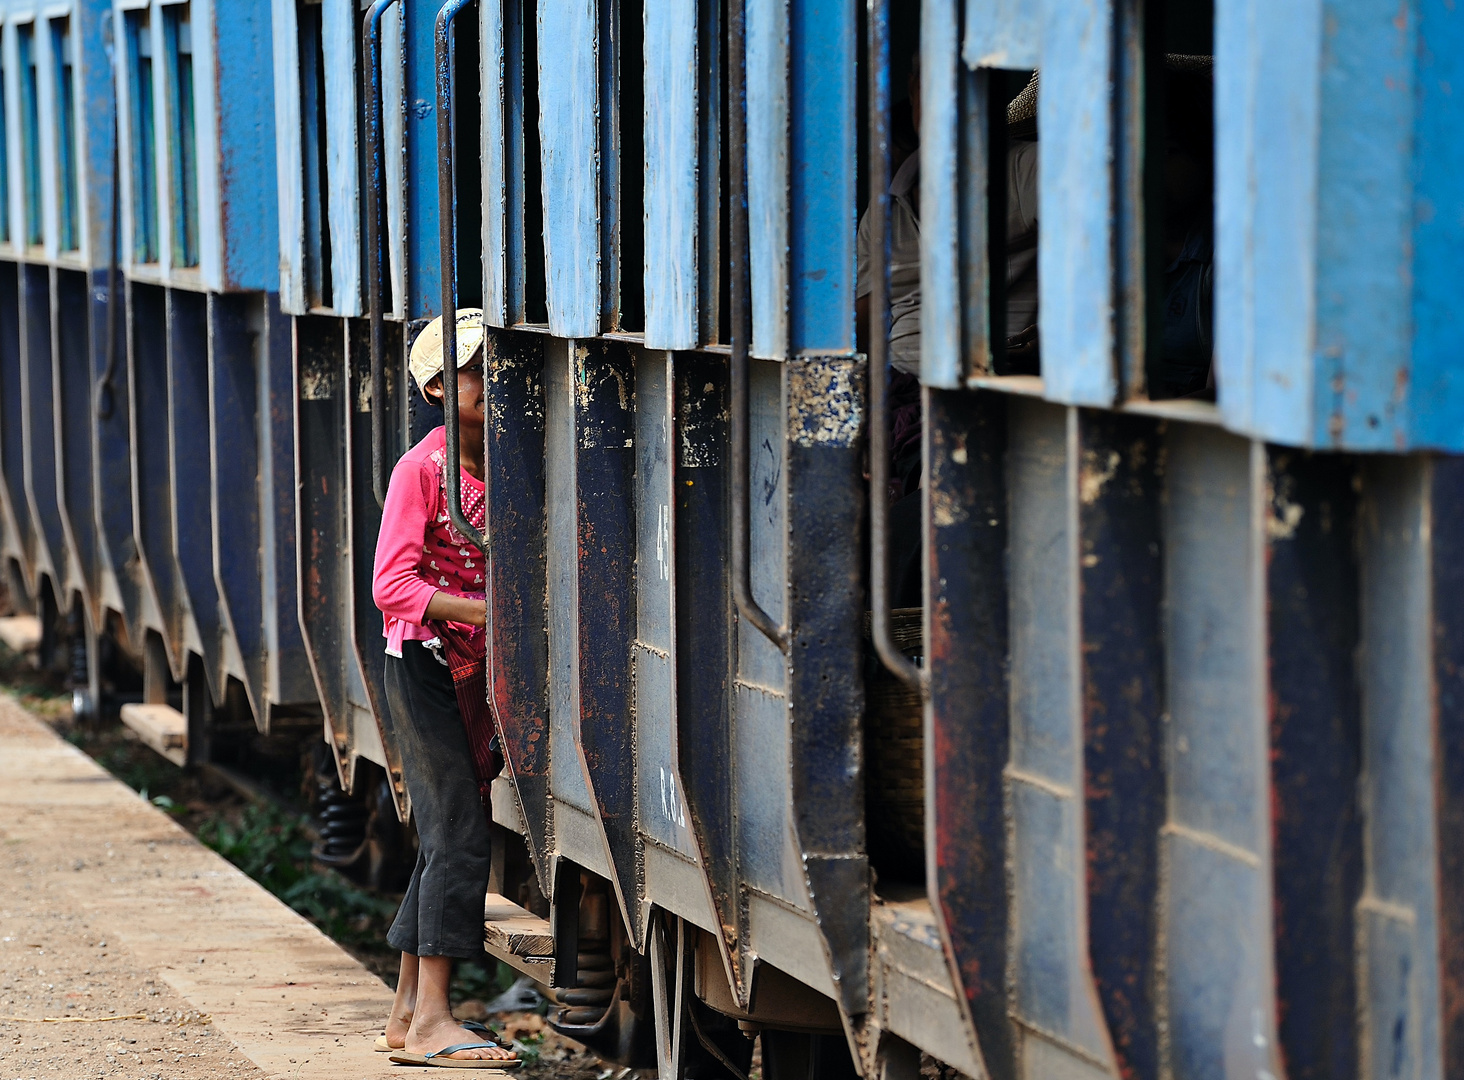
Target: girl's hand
(459,609)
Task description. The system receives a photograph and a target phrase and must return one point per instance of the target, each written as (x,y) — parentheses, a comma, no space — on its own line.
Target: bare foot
(404,1003)
(427,1035)
(396,1029)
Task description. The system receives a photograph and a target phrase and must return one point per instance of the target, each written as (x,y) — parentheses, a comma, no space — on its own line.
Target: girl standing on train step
(429,584)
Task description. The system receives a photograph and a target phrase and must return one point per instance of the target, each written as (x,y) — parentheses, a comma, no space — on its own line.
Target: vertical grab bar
(375,227)
(879,338)
(106,395)
(447,254)
(747,607)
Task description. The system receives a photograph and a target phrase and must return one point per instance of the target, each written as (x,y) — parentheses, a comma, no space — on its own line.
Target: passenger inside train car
(1183,220)
(1180,366)
(429,584)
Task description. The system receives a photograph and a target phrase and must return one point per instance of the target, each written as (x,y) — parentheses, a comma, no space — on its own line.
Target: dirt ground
(55,963)
(59,959)
(219,968)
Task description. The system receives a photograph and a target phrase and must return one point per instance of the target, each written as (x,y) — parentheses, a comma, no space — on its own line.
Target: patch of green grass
(42,692)
(481,979)
(134,764)
(271,846)
(529,1047)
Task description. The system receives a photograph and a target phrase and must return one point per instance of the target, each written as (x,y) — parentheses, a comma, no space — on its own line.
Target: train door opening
(893,745)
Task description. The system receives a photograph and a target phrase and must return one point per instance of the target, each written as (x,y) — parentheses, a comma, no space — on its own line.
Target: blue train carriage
(55,193)
(209,368)
(1183,665)
(1190,665)
(148,465)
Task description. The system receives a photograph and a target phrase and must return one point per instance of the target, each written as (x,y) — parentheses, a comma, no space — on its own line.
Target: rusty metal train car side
(1159,779)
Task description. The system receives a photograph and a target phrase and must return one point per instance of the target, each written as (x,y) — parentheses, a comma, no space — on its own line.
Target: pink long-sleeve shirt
(418,552)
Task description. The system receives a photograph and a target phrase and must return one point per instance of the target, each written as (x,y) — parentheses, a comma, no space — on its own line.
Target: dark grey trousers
(442,912)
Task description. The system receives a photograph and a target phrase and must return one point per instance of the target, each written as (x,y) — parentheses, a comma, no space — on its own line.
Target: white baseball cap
(426,358)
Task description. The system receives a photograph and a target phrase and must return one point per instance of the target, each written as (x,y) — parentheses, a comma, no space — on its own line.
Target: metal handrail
(739,257)
(447,255)
(106,394)
(879,340)
(375,259)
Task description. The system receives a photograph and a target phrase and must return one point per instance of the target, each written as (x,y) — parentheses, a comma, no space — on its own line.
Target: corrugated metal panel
(1321,110)
(1054,999)
(339,32)
(1215,909)
(672,151)
(823,147)
(941,360)
(767,174)
(1189,690)
(1436,396)
(569,97)
(1075,203)
(1002,34)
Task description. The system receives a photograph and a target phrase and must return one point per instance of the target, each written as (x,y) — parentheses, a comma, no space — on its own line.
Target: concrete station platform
(109,908)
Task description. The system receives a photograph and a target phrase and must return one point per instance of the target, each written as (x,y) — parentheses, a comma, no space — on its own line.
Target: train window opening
(467,124)
(141,115)
(315,183)
(30,131)
(622,168)
(714,237)
(63,49)
(904,263)
(182,133)
(1180,202)
(528,300)
(1164,184)
(1010,99)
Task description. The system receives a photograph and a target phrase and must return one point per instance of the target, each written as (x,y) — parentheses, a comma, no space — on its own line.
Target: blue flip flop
(442,1059)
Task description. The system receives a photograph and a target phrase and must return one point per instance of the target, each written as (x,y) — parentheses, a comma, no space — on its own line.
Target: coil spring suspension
(83,707)
(587,1001)
(342,818)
